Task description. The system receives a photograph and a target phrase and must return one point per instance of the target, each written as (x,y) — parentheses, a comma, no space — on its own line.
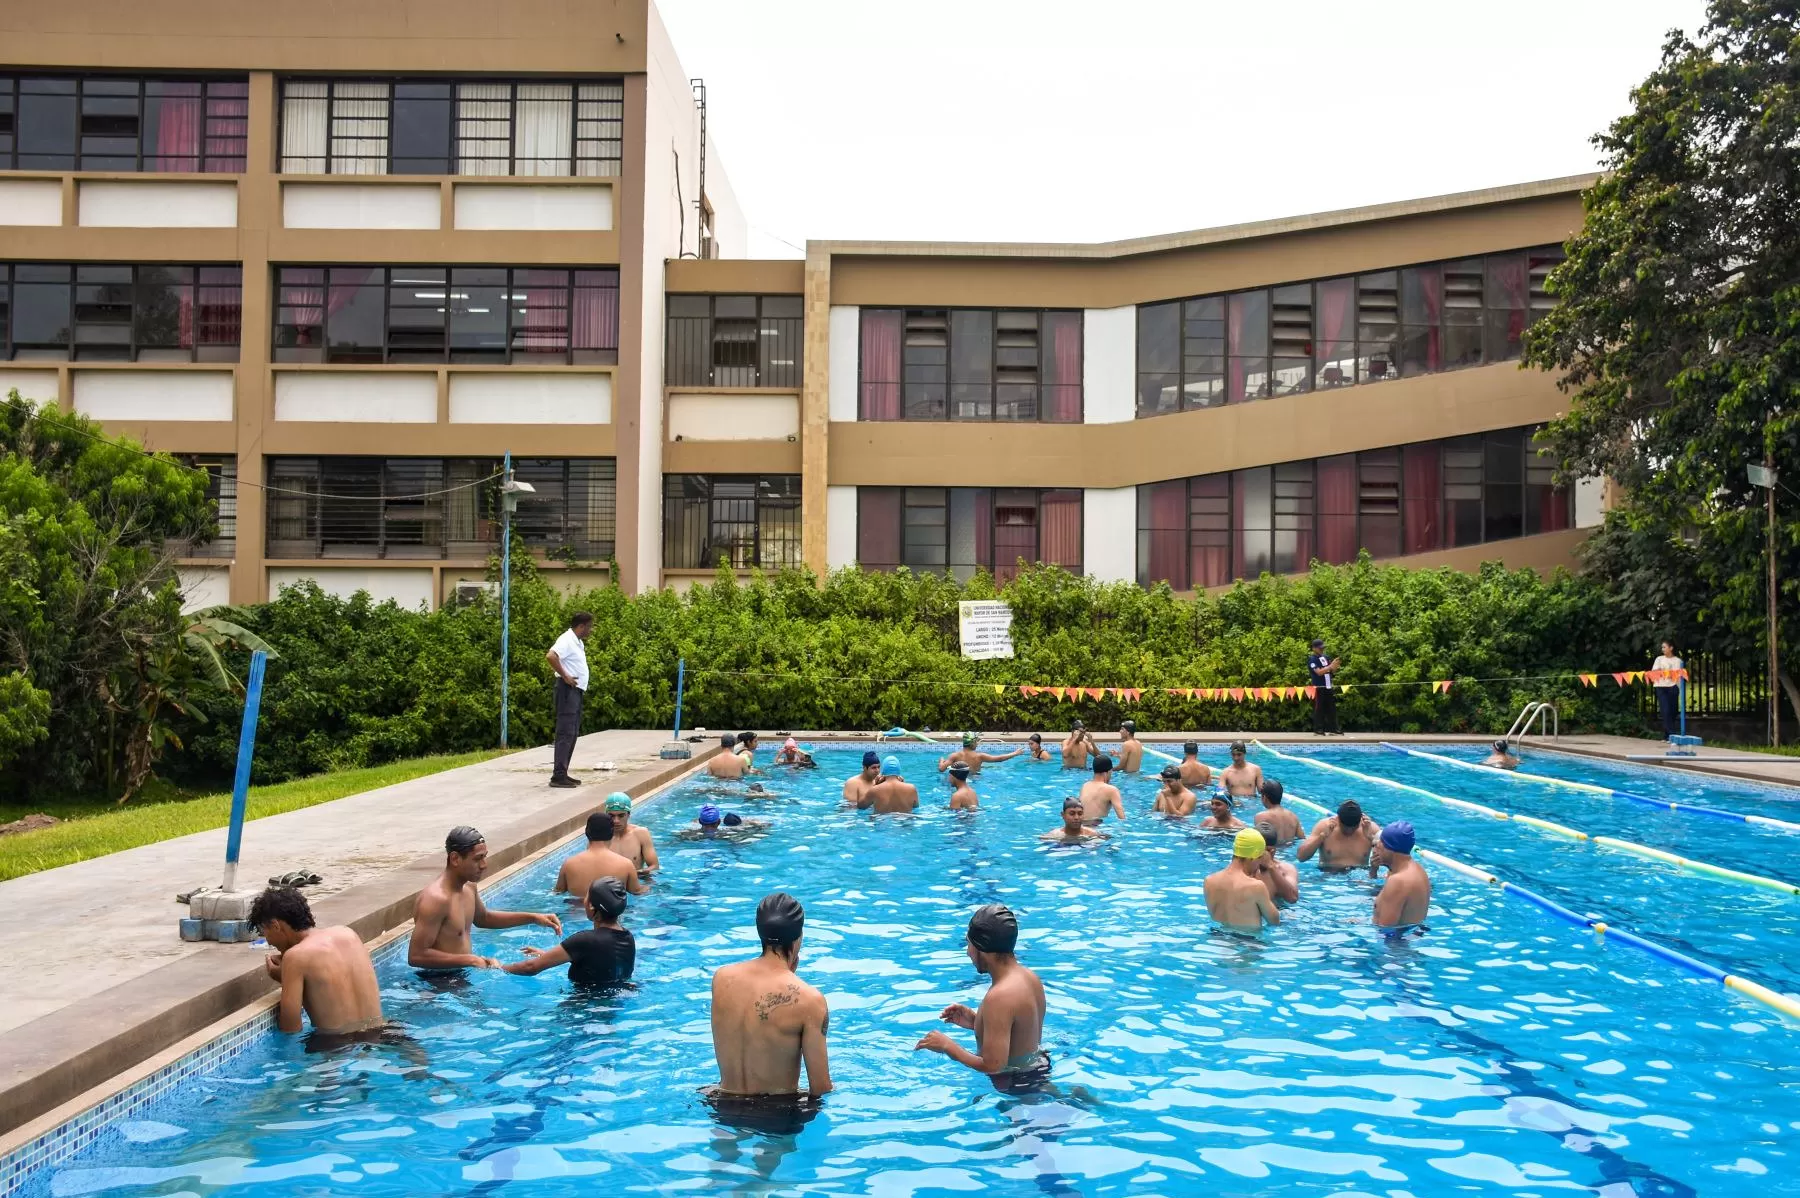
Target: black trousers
(1324,710)
(1668,705)
(568,725)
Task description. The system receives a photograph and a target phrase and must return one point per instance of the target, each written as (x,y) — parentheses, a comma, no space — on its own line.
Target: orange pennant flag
(1096,692)
(1312,692)
(1621,678)
(1588,679)
(1173,692)
(1264,694)
(1440,688)
(1237,694)
(1680,675)
(1058,692)
(1289,692)
(1192,692)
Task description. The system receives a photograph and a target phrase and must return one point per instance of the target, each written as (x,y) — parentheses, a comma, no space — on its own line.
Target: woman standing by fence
(1668,689)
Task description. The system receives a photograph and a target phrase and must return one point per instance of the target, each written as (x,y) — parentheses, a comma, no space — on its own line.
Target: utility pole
(510,490)
(1764,476)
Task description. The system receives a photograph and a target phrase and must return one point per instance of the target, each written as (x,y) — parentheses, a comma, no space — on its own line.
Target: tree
(90,596)
(1677,331)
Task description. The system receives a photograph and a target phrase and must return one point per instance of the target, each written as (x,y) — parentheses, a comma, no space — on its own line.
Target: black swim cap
(1170,773)
(959,771)
(607,896)
(1127,726)
(1271,790)
(994,929)
(1237,746)
(1036,738)
(1192,748)
(780,919)
(1350,814)
(732,819)
(462,840)
(745,738)
(1102,764)
(1071,801)
(600,826)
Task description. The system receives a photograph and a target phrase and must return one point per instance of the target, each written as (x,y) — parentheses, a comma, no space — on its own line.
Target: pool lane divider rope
(1704,868)
(1785,1004)
(1763,821)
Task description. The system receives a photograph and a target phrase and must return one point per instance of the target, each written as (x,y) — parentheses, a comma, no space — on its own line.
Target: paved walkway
(95,969)
(1752,767)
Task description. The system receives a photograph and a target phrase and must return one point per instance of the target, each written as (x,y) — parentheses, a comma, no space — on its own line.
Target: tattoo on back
(776,998)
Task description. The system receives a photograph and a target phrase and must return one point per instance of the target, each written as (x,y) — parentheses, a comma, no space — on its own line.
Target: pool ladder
(1534,713)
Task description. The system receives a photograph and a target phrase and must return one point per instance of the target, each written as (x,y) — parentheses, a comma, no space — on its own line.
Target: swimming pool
(1503,1052)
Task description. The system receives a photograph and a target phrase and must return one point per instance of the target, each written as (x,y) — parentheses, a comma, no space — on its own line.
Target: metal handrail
(1534,713)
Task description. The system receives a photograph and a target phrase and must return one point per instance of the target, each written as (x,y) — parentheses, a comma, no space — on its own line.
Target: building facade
(348,268)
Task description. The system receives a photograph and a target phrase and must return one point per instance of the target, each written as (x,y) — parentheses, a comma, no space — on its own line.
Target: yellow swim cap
(1249,844)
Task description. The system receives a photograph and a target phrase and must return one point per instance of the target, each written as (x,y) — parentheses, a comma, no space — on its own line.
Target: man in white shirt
(568,657)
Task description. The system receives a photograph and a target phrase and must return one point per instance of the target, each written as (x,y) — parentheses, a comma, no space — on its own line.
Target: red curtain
(1209,530)
(1334,346)
(1556,509)
(1430,283)
(177,131)
(1337,509)
(881,364)
(303,294)
(221,303)
(1059,529)
(594,320)
(546,329)
(1234,341)
(1062,389)
(227,124)
(1165,556)
(1422,497)
(1506,297)
(878,527)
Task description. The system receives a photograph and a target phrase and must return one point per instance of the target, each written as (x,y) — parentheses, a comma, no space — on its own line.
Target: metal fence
(1718,687)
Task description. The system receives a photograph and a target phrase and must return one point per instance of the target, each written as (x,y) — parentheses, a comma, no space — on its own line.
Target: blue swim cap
(890,766)
(1398,837)
(871,757)
(709,814)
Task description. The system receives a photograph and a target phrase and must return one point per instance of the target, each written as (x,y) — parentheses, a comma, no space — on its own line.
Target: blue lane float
(1762,821)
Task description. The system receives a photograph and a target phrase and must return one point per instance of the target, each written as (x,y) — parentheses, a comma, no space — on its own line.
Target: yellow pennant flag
(1440,688)
(1344,689)
(999,690)
(1589,679)
(1058,692)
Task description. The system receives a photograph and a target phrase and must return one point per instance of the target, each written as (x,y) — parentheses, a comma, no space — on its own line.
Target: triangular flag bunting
(1637,676)
(1588,679)
(1312,692)
(1680,675)
(1174,692)
(1621,678)
(1344,689)
(1096,692)
(1264,694)
(999,690)
(1237,694)
(1440,688)
(1058,692)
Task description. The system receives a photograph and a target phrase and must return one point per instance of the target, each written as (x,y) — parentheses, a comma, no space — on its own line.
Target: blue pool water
(1503,1052)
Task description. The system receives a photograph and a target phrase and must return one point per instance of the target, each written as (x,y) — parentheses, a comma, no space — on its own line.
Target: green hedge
(359,683)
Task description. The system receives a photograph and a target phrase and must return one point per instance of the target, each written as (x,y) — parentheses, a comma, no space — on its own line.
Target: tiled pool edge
(48,1136)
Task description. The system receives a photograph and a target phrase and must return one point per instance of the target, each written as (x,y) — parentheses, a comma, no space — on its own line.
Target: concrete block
(234,931)
(222,904)
(192,929)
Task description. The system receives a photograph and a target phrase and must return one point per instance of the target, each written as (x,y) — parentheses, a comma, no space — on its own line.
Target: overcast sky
(1048,120)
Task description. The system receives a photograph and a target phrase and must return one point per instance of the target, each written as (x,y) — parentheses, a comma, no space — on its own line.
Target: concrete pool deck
(98,980)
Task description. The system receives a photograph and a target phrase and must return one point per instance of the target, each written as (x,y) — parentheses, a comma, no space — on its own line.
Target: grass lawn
(1784,750)
(163,813)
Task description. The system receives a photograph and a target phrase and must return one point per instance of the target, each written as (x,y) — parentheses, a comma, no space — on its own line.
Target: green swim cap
(618,800)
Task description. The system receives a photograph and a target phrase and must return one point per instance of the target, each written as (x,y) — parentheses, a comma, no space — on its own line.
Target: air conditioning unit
(471,592)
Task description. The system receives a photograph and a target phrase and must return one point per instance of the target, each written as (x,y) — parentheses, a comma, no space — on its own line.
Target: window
(221,490)
(451,127)
(111,123)
(971,364)
(1205,531)
(104,312)
(741,521)
(473,314)
(733,341)
(1209,350)
(436,508)
(959,530)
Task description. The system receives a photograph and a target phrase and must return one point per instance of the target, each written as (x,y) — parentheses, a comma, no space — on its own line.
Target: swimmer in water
(1342,841)
(1078,747)
(1194,772)
(1283,823)
(1131,749)
(1035,747)
(1405,896)
(633,843)
(1075,829)
(1099,795)
(451,904)
(713,824)
(962,795)
(1009,1023)
(855,788)
(603,955)
(727,764)
(1221,819)
(746,748)
(1175,799)
(1236,897)
(1502,757)
(1282,879)
(973,757)
(323,971)
(766,1022)
(1241,778)
(892,795)
(581,870)
(791,753)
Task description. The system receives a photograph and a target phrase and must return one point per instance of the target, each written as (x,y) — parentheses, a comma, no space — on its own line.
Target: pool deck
(97,979)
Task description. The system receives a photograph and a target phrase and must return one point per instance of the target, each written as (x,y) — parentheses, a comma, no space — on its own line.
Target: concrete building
(346,265)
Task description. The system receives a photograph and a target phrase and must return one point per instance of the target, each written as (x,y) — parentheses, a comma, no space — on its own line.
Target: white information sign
(986,629)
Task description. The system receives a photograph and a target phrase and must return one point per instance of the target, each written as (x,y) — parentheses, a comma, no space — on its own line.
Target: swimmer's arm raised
(812,1045)
(1311,844)
(990,758)
(537,960)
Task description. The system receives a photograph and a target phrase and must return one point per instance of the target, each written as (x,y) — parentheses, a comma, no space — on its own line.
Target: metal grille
(102,312)
(733,341)
(374,126)
(359,507)
(736,520)
(116,123)
(221,490)
(466,314)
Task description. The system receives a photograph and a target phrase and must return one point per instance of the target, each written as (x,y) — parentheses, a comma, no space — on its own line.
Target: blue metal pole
(505,600)
(240,788)
(680,681)
(1681,702)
